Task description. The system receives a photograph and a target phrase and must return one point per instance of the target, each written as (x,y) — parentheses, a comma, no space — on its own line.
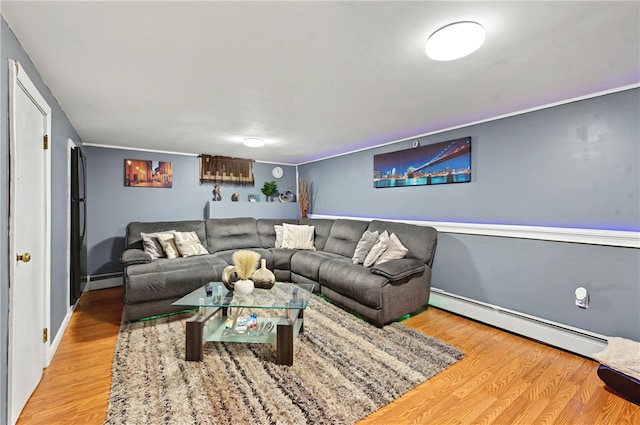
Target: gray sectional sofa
(380,294)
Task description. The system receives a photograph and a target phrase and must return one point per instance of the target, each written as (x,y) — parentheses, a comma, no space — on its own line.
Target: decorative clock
(277,172)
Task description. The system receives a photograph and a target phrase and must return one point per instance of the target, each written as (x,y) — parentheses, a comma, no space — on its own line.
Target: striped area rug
(344,369)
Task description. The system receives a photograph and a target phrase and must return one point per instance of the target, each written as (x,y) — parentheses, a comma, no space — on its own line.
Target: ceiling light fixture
(253,142)
(455,41)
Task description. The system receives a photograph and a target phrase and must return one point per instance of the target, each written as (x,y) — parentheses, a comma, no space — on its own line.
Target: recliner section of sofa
(380,294)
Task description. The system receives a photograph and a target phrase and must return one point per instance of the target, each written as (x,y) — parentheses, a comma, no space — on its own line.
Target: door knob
(26,257)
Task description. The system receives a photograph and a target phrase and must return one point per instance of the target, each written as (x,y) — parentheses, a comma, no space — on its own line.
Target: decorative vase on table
(263,277)
(246,263)
(243,286)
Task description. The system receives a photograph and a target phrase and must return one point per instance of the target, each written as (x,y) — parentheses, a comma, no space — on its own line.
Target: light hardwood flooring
(504,378)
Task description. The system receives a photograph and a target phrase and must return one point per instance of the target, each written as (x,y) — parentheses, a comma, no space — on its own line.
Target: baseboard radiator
(103,281)
(568,338)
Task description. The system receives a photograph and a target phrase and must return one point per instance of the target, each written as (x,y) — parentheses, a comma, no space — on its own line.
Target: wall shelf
(229,209)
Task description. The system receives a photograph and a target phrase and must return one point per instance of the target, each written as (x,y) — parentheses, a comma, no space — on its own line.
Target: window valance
(224,169)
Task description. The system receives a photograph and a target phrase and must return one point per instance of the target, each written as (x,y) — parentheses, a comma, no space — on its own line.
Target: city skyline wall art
(437,163)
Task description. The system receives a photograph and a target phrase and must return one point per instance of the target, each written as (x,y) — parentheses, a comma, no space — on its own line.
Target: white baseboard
(102,282)
(580,341)
(53,346)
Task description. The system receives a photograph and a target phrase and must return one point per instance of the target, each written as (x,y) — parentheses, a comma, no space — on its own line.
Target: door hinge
(46,141)
(45,334)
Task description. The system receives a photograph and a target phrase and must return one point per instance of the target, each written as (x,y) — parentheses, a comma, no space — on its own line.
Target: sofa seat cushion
(164,279)
(227,255)
(353,281)
(307,263)
(282,258)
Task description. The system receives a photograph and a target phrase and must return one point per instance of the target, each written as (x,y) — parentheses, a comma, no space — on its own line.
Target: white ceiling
(313,79)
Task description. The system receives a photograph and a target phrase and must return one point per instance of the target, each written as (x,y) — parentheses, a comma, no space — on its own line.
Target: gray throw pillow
(365,244)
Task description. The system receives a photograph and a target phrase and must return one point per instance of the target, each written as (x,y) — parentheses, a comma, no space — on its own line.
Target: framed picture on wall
(144,173)
(438,163)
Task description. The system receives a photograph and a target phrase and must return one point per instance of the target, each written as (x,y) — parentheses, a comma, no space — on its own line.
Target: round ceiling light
(455,41)
(253,142)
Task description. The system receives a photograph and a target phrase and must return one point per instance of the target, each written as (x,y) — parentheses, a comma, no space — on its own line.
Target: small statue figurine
(235,197)
(216,193)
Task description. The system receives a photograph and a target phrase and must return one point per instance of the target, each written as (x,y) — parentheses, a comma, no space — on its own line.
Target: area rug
(344,369)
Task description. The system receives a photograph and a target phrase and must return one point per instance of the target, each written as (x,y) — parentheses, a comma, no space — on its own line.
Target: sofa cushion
(307,263)
(227,255)
(279,229)
(344,237)
(297,237)
(189,244)
(322,229)
(353,281)
(399,268)
(168,243)
(282,258)
(231,233)
(377,249)
(135,228)
(395,250)
(419,240)
(367,241)
(164,279)
(266,230)
(152,244)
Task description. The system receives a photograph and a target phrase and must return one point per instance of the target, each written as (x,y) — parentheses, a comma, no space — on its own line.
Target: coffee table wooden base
(285,334)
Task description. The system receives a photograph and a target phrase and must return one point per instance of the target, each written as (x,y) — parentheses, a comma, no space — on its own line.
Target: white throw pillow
(394,251)
(377,249)
(279,235)
(151,244)
(189,244)
(298,237)
(169,245)
(367,241)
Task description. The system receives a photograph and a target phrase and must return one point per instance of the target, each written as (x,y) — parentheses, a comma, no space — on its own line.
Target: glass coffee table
(223,315)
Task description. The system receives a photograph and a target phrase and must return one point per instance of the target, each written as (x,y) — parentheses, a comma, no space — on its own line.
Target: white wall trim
(618,238)
(498,117)
(63,328)
(129,148)
(96,282)
(559,335)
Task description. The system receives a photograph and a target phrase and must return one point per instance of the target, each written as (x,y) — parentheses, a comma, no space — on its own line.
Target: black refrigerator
(78,224)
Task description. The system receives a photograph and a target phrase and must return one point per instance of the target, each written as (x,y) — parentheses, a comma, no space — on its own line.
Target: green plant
(269,188)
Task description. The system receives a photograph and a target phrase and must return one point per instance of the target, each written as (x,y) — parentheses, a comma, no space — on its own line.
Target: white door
(29,238)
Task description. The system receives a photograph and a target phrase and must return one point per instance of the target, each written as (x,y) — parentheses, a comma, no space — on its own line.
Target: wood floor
(504,379)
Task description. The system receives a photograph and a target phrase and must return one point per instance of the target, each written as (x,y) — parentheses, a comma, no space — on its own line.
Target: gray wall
(111,205)
(571,166)
(61,131)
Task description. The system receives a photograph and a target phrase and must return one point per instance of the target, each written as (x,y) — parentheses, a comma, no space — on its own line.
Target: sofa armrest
(399,268)
(134,256)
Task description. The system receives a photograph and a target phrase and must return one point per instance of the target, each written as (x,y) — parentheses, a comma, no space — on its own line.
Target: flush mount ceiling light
(455,41)
(253,142)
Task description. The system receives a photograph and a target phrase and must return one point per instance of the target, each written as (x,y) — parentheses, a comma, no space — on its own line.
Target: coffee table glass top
(282,295)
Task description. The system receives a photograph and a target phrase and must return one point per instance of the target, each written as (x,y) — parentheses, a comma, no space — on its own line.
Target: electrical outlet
(582,297)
